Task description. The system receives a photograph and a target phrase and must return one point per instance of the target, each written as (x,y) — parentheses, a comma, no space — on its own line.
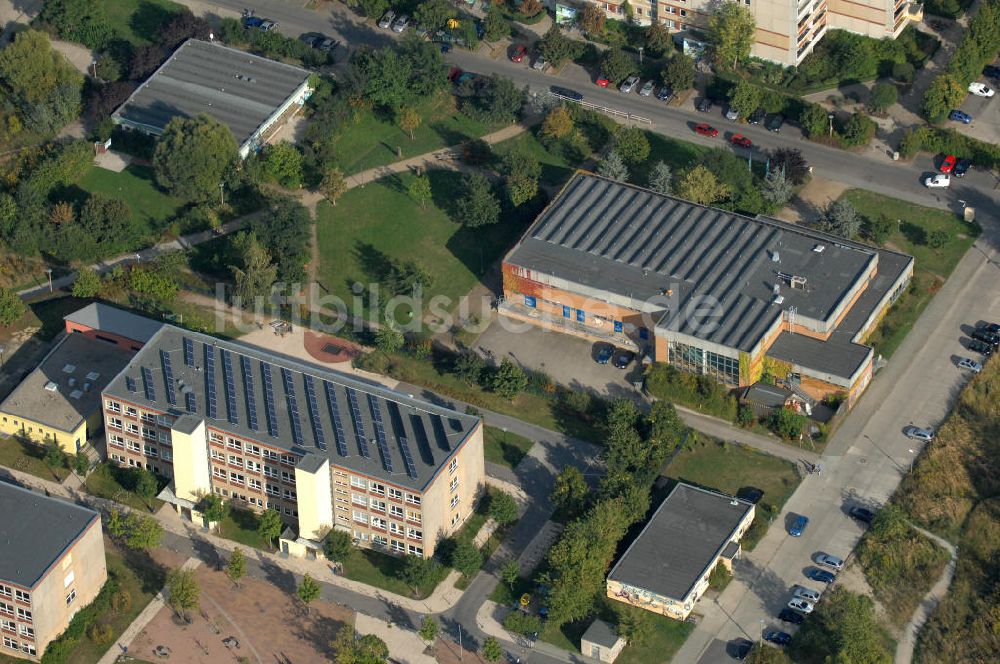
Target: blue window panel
(618,326)
(581,316)
(643,333)
(567,312)
(529,301)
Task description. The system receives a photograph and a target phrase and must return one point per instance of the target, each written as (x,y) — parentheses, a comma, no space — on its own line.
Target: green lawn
(382,571)
(376,140)
(373,225)
(555,170)
(138,21)
(137,187)
(675,153)
(108,481)
(28,458)
(505,448)
(931,266)
(241,526)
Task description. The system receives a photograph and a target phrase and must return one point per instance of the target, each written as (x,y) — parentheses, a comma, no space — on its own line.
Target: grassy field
(377,140)
(28,458)
(139,20)
(137,187)
(103,483)
(382,571)
(505,448)
(379,223)
(676,154)
(931,266)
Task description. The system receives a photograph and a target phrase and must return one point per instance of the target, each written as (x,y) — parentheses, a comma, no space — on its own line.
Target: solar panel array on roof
(383,445)
(189,402)
(147,384)
(130,383)
(229,380)
(317,426)
(248,390)
(213,406)
(168,377)
(272,416)
(359,431)
(293,406)
(404,447)
(338,425)
(188,352)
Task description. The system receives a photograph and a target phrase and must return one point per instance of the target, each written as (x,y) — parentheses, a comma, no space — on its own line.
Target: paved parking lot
(985,115)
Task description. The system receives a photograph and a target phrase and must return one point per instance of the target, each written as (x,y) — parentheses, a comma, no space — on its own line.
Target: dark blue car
(798,526)
(777,638)
(604,354)
(821,575)
(960,116)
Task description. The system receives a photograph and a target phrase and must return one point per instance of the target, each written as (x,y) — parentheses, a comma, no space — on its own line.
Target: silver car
(970,364)
(386,19)
(801,605)
(629,84)
(918,433)
(647,89)
(831,561)
(401,23)
(540,63)
(808,594)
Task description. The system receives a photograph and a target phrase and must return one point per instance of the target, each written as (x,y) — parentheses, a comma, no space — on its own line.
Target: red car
(603,81)
(741,141)
(948,163)
(519,53)
(706,130)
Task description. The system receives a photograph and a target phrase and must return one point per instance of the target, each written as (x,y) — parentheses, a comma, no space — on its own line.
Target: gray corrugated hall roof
(236,88)
(100,316)
(285,403)
(634,243)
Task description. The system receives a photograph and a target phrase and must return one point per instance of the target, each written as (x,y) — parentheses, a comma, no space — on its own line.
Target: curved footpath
(908,639)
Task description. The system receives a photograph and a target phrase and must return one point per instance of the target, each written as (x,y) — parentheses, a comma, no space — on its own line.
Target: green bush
(522,623)
(667,382)
(787,423)
(719,577)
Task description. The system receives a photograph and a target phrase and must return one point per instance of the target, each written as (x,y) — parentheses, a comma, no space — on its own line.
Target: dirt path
(908,639)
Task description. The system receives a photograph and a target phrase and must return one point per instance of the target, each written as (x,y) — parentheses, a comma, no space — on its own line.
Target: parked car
(793,617)
(861,514)
(938,181)
(319,41)
(962,167)
(540,63)
(991,327)
(519,52)
(255,22)
(647,89)
(756,118)
(991,71)
(665,93)
(925,434)
(948,163)
(629,84)
(704,105)
(739,649)
(732,115)
(603,81)
(960,116)
(740,140)
(830,560)
(566,92)
(821,575)
(981,89)
(604,354)
(776,637)
(808,594)
(986,336)
(706,130)
(622,359)
(970,364)
(800,605)
(798,526)
(774,124)
(983,349)
(400,23)
(387,19)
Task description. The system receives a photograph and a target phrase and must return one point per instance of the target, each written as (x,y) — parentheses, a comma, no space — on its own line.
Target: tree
(388,339)
(508,380)
(569,494)
(558,123)
(883,96)
(659,41)
(731,29)
(236,568)
(334,185)
(510,571)
(337,545)
(433,14)
(283,164)
(859,130)
(416,572)
(660,178)
(631,143)
(254,277)
(592,19)
(308,591)
(937,238)
(944,94)
(679,73)
(790,162)
(878,228)
(634,624)
(557,48)
(40,83)
(503,508)
(521,173)
(496,26)
(787,423)
(352,648)
(408,119)
(700,185)
(744,98)
(420,189)
(497,100)
(776,189)
(80,21)
(469,367)
(145,484)
(903,72)
(87,283)
(428,629)
(613,167)
(285,233)
(373,8)
(492,650)
(55,457)
(11,307)
(523,623)
(815,120)
(269,526)
(183,592)
(214,508)
(479,206)
(760,653)
(843,628)
(193,156)
(182,27)
(386,75)
(466,558)
(719,577)
(618,65)
(840,218)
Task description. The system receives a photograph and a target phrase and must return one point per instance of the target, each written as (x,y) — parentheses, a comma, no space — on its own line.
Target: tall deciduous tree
(270,526)
(87,283)
(255,275)
(631,143)
(700,185)
(679,73)
(334,185)
(433,14)
(420,189)
(731,29)
(503,508)
(617,65)
(236,568)
(944,94)
(479,205)
(308,591)
(495,25)
(592,19)
(183,592)
(11,307)
(883,96)
(521,173)
(510,571)
(840,218)
(41,84)
(408,119)
(659,41)
(558,123)
(428,629)
(194,156)
(744,98)
(337,545)
(569,493)
(492,651)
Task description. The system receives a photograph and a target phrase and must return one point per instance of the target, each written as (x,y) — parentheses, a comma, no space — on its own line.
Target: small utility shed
(601,641)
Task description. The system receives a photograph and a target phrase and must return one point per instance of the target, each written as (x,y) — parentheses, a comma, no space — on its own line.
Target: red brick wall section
(101,335)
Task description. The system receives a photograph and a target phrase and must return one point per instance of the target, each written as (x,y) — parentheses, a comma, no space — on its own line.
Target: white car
(801,606)
(938,181)
(629,84)
(970,364)
(540,63)
(647,89)
(808,594)
(400,24)
(981,90)
(386,19)
(831,561)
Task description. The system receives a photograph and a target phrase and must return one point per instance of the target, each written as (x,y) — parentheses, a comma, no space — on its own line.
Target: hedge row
(932,139)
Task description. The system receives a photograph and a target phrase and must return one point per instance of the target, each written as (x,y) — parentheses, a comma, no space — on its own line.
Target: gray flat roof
(35,530)
(238,89)
(100,316)
(685,535)
(767,395)
(633,243)
(837,356)
(430,434)
(76,363)
(601,633)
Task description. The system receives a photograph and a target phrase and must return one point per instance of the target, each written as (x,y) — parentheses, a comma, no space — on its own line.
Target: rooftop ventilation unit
(93,375)
(775,257)
(75,394)
(799,282)
(819,248)
(86,387)
(776,289)
(51,387)
(69,368)
(779,299)
(71,382)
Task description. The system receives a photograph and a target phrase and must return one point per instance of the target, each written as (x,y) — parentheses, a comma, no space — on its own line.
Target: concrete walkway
(908,639)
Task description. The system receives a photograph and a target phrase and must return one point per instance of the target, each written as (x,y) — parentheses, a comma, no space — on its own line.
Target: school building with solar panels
(324,449)
(707,290)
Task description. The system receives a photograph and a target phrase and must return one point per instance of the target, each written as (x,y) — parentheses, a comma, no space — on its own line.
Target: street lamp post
(49,272)
(640,54)
(913,456)
(137,259)
(830,118)
(222,195)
